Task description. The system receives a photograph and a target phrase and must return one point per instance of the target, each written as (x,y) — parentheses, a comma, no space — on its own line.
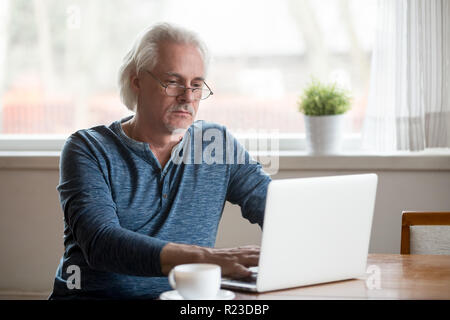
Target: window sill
(435,161)
(288,160)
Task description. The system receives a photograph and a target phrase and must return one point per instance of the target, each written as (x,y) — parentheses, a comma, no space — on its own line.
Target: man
(137,198)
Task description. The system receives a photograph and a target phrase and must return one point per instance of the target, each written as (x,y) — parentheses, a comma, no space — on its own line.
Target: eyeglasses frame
(185,88)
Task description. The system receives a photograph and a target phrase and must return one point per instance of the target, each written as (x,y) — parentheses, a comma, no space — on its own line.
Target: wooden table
(390,276)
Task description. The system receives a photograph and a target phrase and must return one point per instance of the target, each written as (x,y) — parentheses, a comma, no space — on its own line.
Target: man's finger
(239,271)
(250,248)
(249,260)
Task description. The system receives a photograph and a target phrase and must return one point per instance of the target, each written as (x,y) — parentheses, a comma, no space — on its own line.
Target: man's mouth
(181,112)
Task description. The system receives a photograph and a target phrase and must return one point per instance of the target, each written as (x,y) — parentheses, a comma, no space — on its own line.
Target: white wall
(31,229)
(31,222)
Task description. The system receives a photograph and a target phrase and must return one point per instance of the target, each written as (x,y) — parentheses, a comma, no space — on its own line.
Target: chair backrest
(425,232)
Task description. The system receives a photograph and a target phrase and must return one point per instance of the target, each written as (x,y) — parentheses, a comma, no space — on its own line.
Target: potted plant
(324,107)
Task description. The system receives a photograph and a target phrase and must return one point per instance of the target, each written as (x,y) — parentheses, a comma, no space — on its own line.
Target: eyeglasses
(175,90)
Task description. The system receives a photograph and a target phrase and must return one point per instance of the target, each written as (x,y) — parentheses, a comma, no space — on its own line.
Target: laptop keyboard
(249,279)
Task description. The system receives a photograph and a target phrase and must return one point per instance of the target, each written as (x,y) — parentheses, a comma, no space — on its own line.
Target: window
(60,58)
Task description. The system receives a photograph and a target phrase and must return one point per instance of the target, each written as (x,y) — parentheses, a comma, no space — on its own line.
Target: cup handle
(172,279)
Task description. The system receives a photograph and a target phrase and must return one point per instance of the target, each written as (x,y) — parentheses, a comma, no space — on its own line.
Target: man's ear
(135,84)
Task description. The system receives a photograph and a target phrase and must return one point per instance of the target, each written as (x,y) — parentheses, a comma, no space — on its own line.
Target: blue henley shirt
(120,207)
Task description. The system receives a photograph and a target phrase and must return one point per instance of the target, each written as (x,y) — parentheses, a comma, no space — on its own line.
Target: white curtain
(409,97)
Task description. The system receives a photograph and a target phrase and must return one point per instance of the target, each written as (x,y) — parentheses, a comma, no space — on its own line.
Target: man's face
(177,64)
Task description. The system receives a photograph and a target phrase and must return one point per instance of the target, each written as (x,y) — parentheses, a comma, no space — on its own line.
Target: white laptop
(315,230)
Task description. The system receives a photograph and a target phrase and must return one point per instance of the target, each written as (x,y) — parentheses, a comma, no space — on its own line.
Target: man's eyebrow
(177,75)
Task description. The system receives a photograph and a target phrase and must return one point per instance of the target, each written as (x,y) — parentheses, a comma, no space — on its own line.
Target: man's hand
(233,261)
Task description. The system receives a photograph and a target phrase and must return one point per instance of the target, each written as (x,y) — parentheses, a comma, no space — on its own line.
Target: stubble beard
(178,131)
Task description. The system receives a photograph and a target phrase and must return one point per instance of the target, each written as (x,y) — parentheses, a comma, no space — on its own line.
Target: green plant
(320,99)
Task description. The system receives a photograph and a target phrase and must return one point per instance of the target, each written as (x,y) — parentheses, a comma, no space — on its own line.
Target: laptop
(315,230)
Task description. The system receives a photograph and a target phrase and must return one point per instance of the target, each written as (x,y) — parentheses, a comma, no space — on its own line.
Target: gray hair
(144,53)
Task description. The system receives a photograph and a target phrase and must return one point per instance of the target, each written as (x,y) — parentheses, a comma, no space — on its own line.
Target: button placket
(164,186)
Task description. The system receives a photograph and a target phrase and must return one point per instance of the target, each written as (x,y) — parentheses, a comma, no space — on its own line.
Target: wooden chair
(425,239)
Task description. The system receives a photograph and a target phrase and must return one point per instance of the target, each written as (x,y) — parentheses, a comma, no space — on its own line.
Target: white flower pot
(324,134)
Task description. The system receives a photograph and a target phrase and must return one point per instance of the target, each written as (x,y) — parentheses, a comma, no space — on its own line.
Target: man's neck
(161,141)
(160,138)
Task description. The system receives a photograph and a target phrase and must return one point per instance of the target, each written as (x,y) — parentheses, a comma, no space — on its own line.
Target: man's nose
(187,96)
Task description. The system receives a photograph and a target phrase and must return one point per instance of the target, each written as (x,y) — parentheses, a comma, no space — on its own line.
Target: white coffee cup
(196,281)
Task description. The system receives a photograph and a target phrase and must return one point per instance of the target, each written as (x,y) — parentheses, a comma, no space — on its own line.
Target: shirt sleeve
(248,184)
(90,214)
